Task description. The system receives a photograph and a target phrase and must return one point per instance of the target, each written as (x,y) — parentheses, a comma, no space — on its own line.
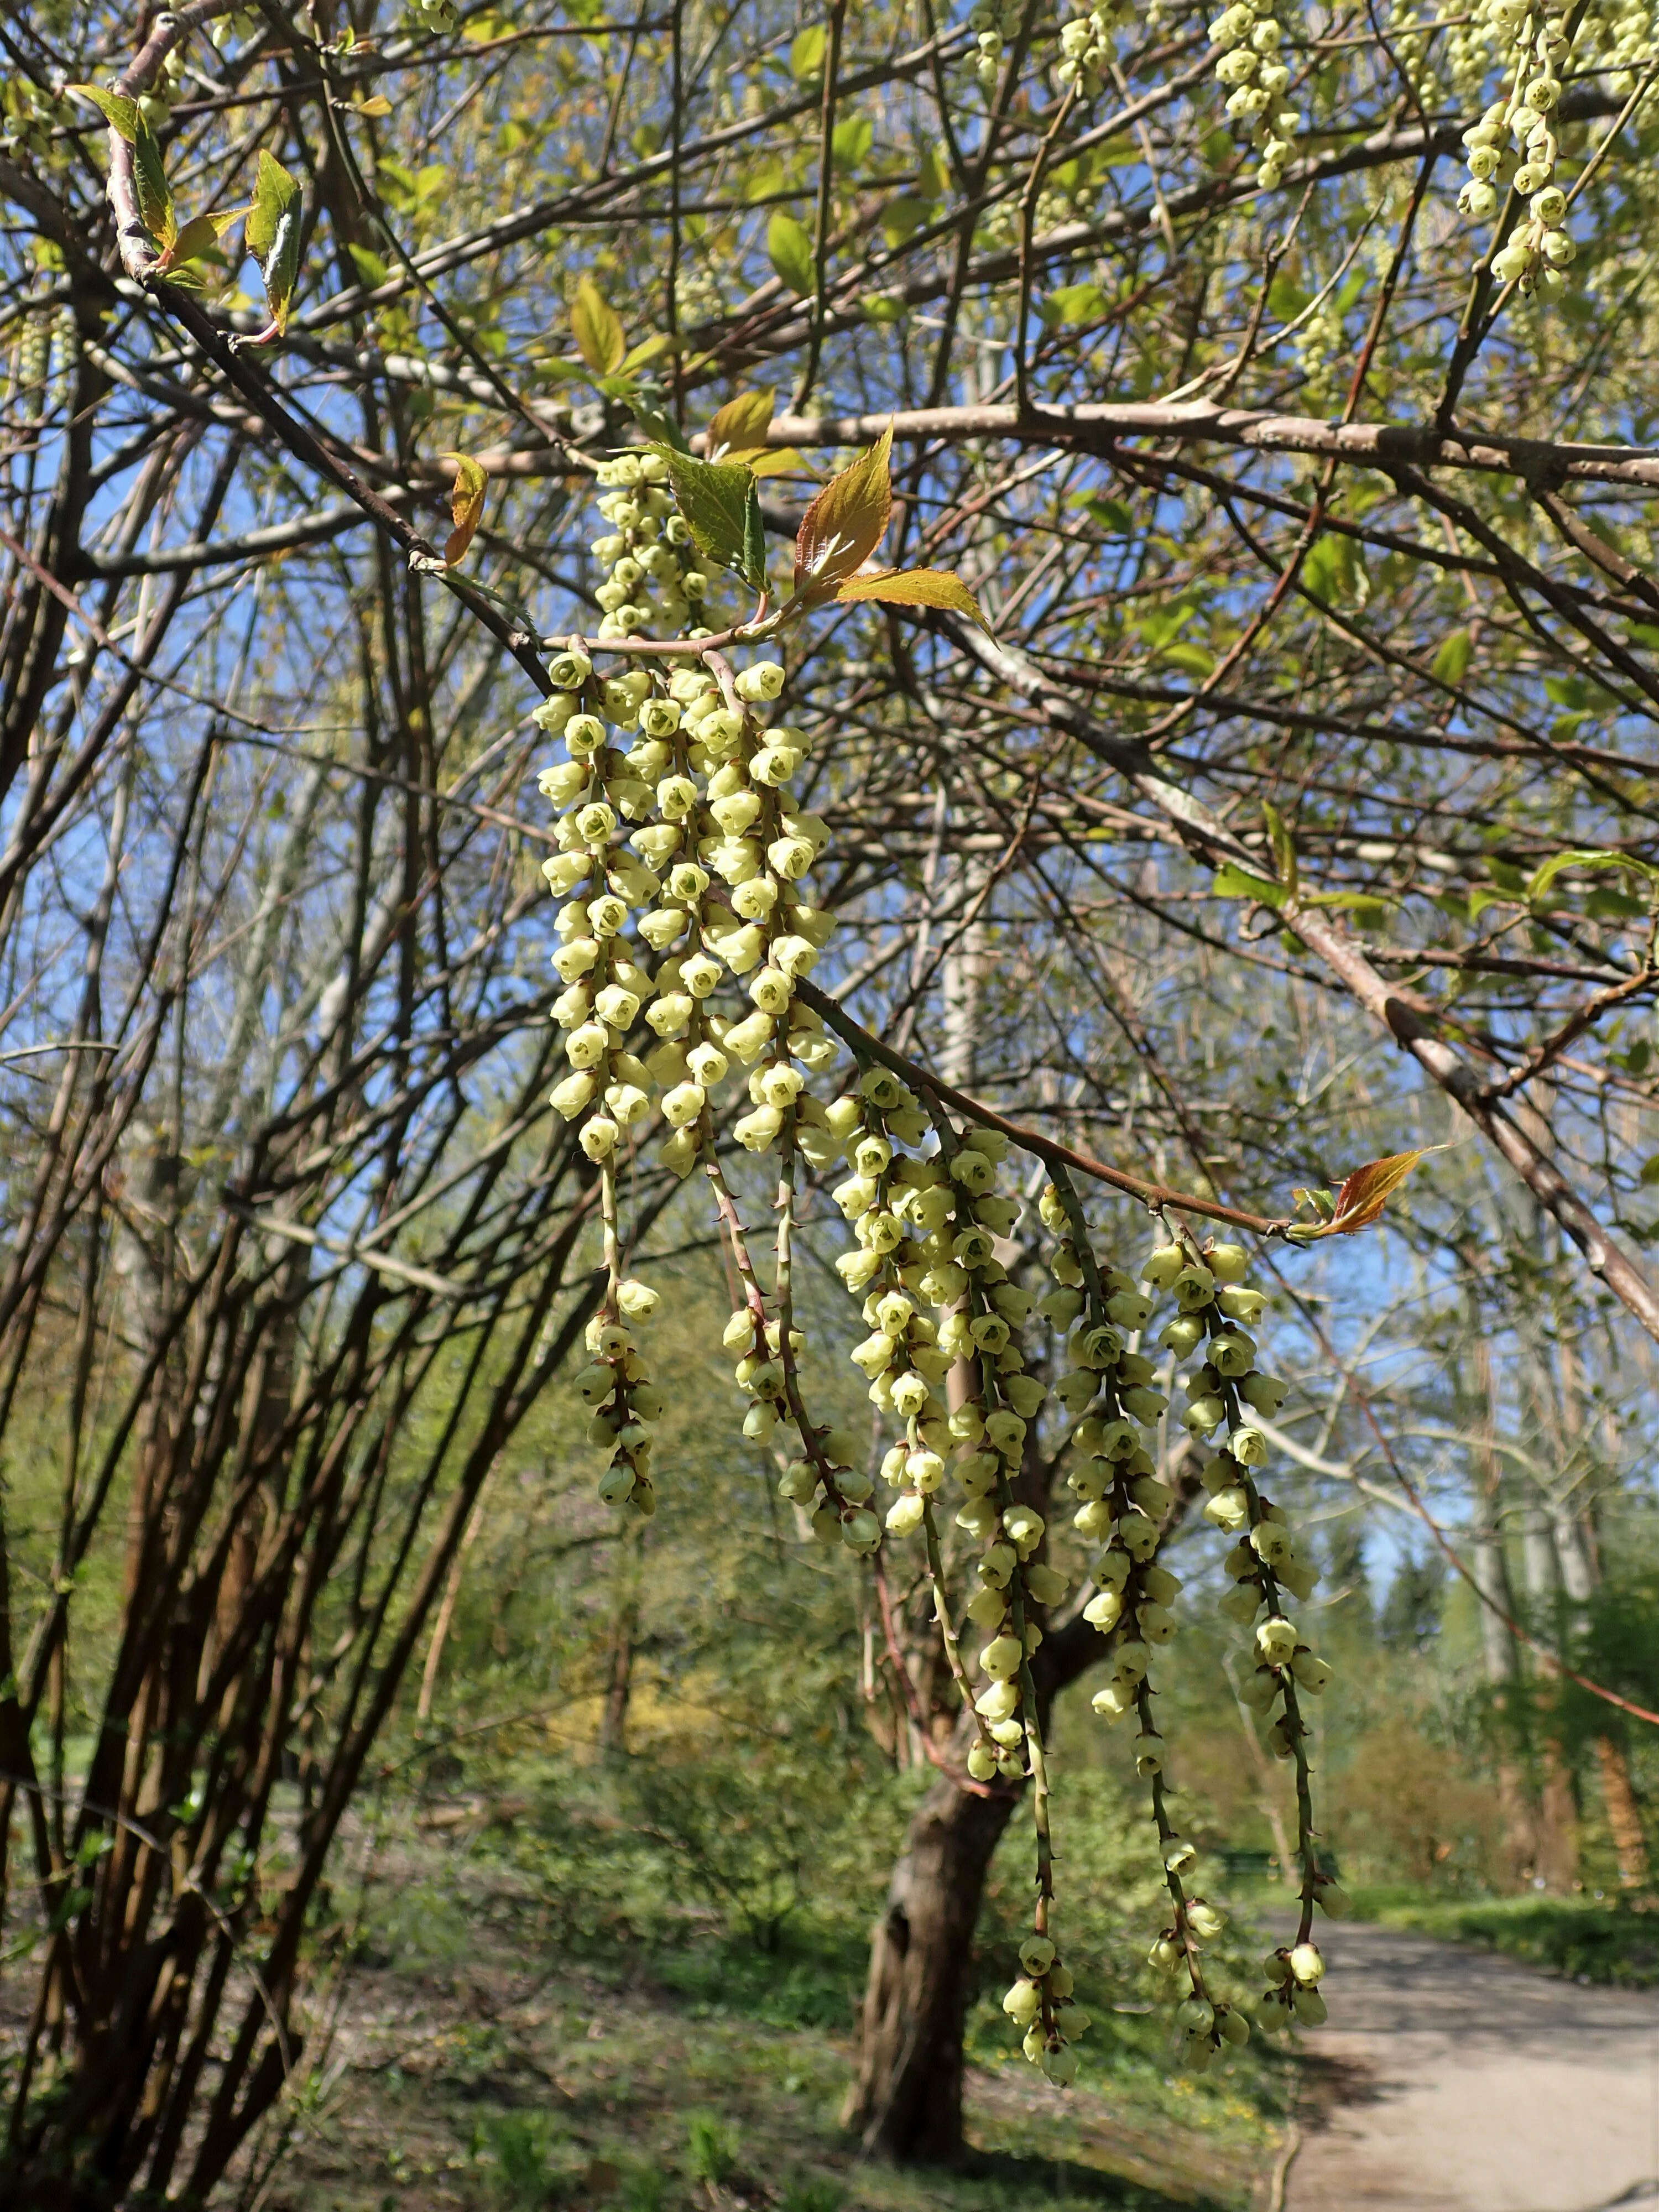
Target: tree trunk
(1624,1815)
(1499,1651)
(906,2102)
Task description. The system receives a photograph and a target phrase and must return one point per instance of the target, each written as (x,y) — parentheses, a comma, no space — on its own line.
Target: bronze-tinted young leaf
(916,587)
(740,425)
(721,508)
(596,330)
(121,113)
(845,524)
(466,504)
(1364,1195)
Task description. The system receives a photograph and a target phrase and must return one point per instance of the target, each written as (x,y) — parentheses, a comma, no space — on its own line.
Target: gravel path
(1470,2084)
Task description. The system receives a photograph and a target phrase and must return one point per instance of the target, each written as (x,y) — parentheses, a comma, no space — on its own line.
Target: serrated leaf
(274,193)
(154,193)
(121,114)
(466,506)
(740,426)
(273,234)
(844,524)
(721,506)
(916,587)
(1229,882)
(789,249)
(597,329)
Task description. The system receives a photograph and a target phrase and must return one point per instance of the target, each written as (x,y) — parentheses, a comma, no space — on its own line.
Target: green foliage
(1581,1938)
(711,2149)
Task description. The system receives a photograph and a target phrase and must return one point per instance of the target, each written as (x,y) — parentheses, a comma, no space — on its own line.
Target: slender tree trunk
(1624,1815)
(906,2101)
(1499,1651)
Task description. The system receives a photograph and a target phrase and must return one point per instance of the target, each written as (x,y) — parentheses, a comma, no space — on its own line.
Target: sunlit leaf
(807,52)
(273,234)
(597,329)
(1229,882)
(1362,1198)
(915,587)
(466,506)
(1542,878)
(789,248)
(121,113)
(844,524)
(740,425)
(199,235)
(721,506)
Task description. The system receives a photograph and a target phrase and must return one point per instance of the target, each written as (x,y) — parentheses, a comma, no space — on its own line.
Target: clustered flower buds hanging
(993,22)
(685,926)
(1540,248)
(1085,48)
(654,578)
(1248,35)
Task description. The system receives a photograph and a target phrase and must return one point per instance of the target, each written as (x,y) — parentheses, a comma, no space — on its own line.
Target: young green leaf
(597,329)
(200,233)
(807,52)
(1644,871)
(789,247)
(1451,664)
(466,506)
(721,506)
(740,425)
(1284,845)
(1229,882)
(273,234)
(844,524)
(154,193)
(916,587)
(121,113)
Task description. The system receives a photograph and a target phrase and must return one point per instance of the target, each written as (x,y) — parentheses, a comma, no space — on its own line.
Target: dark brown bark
(906,2100)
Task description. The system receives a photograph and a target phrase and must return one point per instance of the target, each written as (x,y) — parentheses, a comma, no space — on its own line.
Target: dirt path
(1467,2084)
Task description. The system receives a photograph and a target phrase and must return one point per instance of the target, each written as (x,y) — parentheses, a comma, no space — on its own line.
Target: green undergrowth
(557,2014)
(1611,1939)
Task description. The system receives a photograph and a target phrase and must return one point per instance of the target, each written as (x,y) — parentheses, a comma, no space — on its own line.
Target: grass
(1610,1939)
(518,2069)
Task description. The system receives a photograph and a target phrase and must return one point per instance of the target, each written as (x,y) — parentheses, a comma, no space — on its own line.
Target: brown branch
(867,1045)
